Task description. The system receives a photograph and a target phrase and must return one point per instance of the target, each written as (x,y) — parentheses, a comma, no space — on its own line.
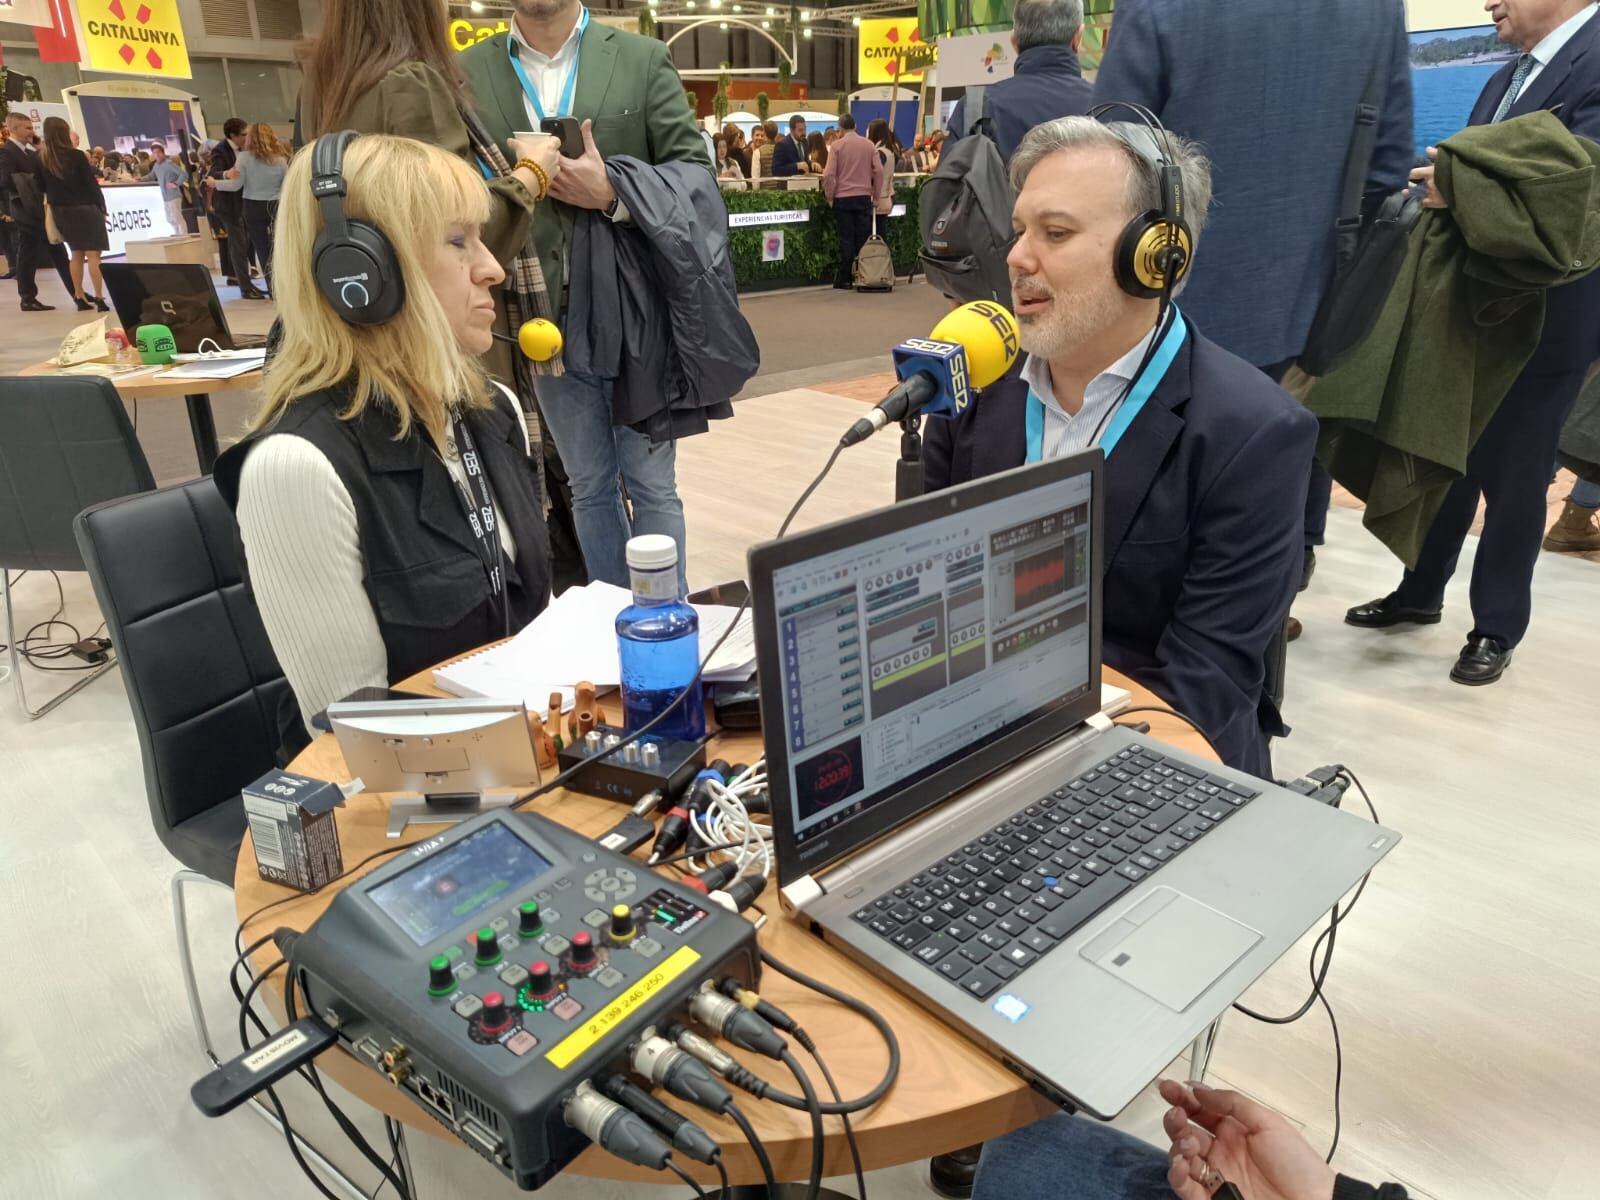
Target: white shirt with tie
(1552,42)
(1065,433)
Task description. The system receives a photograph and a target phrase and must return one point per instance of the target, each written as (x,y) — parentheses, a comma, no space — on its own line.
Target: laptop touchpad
(1171,947)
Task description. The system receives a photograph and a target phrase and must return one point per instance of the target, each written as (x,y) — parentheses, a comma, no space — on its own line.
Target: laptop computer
(951,809)
(180,296)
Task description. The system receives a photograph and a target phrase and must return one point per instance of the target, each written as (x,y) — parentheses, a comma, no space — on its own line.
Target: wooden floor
(1466,984)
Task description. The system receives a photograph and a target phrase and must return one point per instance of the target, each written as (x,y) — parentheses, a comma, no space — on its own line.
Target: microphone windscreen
(989,334)
(539,339)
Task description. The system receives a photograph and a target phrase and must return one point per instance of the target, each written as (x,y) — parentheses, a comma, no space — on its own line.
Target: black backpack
(966,215)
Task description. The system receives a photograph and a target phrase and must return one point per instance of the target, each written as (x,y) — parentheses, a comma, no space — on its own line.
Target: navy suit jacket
(1204,506)
(1569,89)
(1275,111)
(1048,84)
(786,156)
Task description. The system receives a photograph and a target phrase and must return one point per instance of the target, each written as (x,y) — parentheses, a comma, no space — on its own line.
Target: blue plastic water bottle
(658,641)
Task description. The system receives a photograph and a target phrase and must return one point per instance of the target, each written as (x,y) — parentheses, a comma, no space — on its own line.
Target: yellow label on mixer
(596,1027)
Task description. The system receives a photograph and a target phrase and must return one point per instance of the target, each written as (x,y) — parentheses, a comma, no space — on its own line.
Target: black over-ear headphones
(354,264)
(1156,247)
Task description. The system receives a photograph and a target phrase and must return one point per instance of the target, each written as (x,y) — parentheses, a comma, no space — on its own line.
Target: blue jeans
(1585,495)
(577,411)
(1071,1156)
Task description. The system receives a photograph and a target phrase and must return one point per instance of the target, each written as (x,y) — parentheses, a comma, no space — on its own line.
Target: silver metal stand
(332,1175)
(15,658)
(441,810)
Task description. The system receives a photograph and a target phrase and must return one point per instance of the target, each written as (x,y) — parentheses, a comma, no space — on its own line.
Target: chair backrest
(65,443)
(202,680)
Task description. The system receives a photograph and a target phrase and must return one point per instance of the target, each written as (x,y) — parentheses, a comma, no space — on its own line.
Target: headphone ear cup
(1150,261)
(359,275)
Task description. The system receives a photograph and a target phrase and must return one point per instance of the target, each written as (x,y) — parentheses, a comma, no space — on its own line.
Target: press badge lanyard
(1144,387)
(481,517)
(564,101)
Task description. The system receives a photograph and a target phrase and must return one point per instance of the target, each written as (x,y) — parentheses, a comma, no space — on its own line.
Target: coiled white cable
(727,822)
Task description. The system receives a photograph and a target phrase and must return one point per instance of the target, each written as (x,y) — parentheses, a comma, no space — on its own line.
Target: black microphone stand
(908,470)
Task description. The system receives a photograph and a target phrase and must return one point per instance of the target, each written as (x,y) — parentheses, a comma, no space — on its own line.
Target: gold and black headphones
(1156,247)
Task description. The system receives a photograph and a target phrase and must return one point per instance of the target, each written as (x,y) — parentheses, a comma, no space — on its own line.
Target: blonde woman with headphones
(386,501)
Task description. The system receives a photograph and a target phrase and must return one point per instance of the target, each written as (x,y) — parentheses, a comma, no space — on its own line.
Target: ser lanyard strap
(477,502)
(1144,387)
(568,87)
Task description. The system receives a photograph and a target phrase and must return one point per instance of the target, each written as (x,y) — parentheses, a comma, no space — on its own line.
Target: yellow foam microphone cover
(539,339)
(989,333)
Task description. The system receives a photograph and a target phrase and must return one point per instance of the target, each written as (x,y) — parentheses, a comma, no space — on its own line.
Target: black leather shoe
(1380,614)
(1308,567)
(35,306)
(1483,660)
(952,1174)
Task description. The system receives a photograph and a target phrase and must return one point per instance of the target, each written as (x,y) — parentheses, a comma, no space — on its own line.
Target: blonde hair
(413,192)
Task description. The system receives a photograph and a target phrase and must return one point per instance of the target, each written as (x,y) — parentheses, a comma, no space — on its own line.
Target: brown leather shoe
(1293,630)
(1576,530)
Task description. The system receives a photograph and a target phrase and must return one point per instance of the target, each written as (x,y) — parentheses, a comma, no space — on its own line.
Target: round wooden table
(949,1094)
(196,393)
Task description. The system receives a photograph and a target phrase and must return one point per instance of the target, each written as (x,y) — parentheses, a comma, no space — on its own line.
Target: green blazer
(626,85)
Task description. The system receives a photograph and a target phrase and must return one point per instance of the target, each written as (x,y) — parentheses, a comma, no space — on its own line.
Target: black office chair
(201,677)
(65,443)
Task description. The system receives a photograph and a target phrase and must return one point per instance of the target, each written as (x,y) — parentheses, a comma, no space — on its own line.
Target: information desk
(949,1094)
(810,242)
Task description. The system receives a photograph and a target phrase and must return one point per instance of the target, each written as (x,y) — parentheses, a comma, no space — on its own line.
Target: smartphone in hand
(569,131)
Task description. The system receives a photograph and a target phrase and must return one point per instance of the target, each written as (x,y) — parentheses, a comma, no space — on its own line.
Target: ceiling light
(766,24)
(738,8)
(771,12)
(806,33)
(477,6)
(855,20)
(716,3)
(722,25)
(805,14)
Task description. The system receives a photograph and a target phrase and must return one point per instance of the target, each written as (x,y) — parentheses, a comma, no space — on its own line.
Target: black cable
(1338,1075)
(696,853)
(804,1039)
(891,1072)
(238,933)
(678,700)
(736,1115)
(814,1106)
(722,1173)
(1172,712)
(686,1177)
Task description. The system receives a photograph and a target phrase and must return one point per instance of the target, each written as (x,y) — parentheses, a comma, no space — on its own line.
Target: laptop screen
(906,653)
(180,296)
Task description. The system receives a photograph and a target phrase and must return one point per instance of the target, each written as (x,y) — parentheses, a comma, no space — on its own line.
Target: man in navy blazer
(789,155)
(1047,81)
(1206,458)
(1509,465)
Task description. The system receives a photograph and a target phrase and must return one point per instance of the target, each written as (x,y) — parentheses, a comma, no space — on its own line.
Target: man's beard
(541,10)
(1073,319)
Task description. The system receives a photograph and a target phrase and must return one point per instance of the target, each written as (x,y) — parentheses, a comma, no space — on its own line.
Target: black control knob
(441,979)
(622,928)
(487,944)
(582,957)
(495,1018)
(530,921)
(541,983)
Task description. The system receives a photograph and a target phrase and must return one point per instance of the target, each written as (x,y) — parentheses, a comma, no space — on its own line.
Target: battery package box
(292,826)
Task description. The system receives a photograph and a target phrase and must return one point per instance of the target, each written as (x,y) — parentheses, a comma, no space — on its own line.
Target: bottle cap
(652,552)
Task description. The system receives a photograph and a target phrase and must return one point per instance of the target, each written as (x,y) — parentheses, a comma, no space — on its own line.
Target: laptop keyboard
(985,914)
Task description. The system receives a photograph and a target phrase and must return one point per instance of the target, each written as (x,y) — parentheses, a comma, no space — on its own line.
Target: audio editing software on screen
(901,653)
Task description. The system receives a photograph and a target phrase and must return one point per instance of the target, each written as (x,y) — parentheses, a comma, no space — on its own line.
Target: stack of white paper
(575,639)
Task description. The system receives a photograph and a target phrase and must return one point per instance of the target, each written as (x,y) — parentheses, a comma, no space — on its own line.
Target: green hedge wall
(811,248)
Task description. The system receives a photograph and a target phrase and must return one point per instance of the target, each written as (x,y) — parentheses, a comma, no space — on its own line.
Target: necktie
(1525,66)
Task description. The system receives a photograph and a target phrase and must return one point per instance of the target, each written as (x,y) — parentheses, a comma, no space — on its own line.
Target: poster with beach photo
(1448,70)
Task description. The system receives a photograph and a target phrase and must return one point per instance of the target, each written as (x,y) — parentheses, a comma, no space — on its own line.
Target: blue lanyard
(564,101)
(1143,388)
